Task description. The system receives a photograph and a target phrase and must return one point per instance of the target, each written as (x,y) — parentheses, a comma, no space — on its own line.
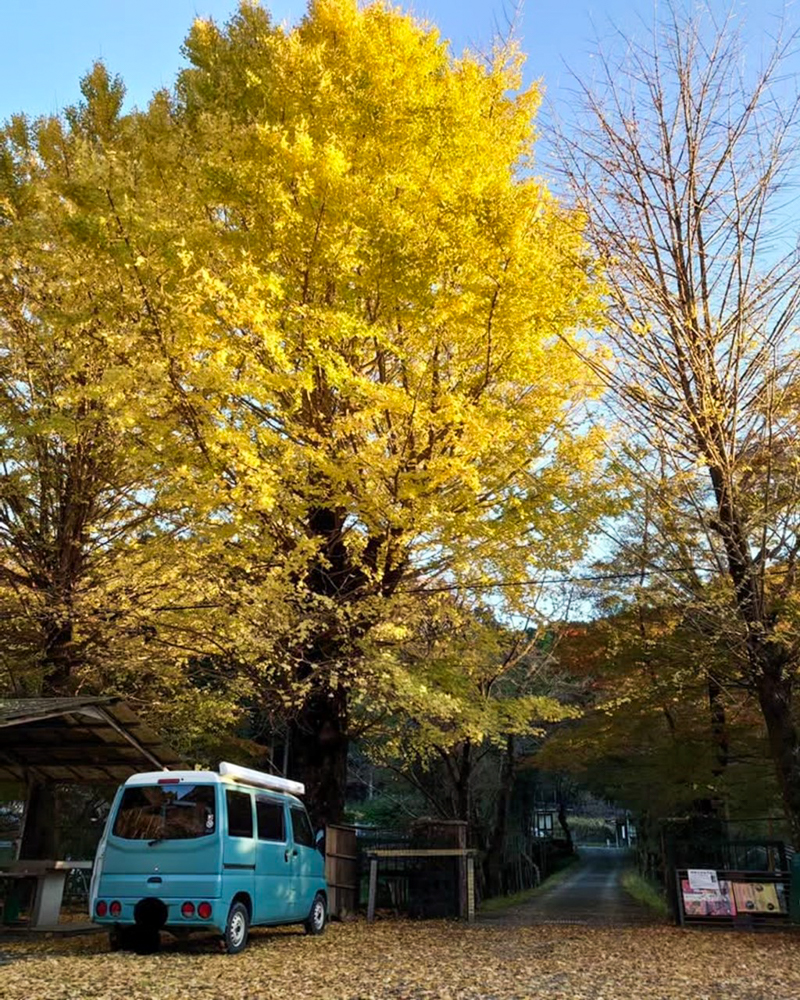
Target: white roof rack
(261,779)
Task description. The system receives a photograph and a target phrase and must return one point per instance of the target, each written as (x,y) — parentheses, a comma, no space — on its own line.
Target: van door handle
(288,853)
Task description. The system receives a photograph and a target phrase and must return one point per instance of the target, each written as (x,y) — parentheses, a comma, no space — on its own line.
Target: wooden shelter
(77,740)
(49,741)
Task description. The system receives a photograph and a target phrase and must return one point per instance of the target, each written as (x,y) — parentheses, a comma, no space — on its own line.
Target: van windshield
(165,812)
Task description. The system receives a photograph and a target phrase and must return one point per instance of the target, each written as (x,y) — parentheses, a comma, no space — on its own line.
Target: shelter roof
(86,740)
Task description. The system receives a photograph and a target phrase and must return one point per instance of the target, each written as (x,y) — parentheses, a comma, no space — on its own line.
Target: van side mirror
(319,841)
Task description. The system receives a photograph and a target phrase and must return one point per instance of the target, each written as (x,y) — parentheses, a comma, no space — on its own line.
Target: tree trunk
(40,833)
(772,672)
(719,726)
(775,698)
(719,738)
(562,819)
(318,754)
(59,657)
(464,783)
(495,852)
(318,735)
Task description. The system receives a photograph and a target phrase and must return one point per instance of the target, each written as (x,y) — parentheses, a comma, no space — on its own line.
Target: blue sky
(49,44)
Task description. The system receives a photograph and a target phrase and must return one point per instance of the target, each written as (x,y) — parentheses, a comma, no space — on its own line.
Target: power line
(533,582)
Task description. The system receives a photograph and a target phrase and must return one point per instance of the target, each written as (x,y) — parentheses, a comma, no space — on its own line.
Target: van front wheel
(317,917)
(236,929)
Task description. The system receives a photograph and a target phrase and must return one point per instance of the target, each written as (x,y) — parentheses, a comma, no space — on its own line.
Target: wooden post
(38,835)
(463,890)
(679,898)
(373,889)
(470,888)
(341,870)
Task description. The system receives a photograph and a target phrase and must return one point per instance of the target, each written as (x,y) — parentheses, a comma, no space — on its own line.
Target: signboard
(743,899)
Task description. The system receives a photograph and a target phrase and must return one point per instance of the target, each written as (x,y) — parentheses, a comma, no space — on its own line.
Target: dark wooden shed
(45,742)
(77,740)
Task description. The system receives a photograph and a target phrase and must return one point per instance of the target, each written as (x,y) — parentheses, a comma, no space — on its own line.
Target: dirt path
(591,895)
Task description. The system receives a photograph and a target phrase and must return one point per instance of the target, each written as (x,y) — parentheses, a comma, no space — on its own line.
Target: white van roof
(153,777)
(228,774)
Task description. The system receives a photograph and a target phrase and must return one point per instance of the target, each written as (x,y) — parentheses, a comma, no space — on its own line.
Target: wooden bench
(51,877)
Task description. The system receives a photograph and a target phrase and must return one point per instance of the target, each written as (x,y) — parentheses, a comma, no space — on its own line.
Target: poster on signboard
(757,897)
(700,902)
(703,878)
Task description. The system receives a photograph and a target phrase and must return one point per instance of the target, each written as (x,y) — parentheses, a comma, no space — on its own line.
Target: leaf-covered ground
(418,961)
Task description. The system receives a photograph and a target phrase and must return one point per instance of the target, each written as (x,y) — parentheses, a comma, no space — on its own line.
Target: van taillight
(102,908)
(115,909)
(187,909)
(204,911)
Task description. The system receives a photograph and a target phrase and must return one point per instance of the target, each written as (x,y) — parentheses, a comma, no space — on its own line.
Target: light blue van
(199,850)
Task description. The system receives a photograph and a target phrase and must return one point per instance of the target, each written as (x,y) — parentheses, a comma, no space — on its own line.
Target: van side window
(301,828)
(271,825)
(240,813)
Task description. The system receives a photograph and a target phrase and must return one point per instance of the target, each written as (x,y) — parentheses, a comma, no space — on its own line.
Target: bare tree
(684,165)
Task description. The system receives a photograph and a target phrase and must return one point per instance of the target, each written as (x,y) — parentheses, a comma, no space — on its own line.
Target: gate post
(373,889)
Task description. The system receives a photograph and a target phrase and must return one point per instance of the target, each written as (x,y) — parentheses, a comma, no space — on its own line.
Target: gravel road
(591,894)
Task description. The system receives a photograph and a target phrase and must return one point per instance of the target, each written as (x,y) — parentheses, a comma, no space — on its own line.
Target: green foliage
(499,903)
(645,891)
(462,677)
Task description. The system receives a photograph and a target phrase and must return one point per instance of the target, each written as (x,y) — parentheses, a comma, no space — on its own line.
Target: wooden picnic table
(51,877)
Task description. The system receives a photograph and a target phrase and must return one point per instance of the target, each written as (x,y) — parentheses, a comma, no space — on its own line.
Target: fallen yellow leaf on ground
(417,961)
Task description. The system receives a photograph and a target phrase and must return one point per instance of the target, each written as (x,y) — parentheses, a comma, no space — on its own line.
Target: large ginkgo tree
(349,309)
(366,316)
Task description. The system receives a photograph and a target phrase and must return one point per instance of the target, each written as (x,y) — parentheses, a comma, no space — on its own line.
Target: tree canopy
(683,162)
(338,319)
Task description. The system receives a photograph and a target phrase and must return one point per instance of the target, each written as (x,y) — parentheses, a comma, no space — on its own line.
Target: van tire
(237,929)
(146,941)
(317,918)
